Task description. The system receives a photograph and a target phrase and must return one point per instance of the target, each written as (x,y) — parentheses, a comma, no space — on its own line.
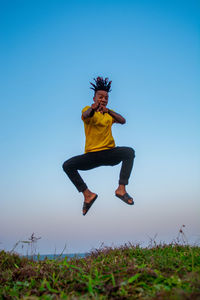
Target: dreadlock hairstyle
(101,84)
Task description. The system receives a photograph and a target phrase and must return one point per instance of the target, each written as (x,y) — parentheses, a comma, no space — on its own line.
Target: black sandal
(86,206)
(125,198)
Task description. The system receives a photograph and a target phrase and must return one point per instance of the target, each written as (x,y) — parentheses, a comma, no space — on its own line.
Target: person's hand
(103,109)
(95,105)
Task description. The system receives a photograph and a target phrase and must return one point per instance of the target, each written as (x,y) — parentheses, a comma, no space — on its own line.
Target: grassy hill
(128,272)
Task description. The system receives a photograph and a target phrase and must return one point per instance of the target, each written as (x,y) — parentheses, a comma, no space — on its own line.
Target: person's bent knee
(131,152)
(66,165)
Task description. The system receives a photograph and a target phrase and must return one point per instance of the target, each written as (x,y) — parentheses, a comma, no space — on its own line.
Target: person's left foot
(123,195)
(126,198)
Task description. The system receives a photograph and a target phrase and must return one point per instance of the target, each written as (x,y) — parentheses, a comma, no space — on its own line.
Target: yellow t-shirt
(98,134)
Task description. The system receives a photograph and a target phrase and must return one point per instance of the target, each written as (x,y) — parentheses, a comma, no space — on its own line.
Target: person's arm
(118,118)
(90,111)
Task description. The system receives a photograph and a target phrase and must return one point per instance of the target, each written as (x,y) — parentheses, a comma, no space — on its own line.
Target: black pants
(92,160)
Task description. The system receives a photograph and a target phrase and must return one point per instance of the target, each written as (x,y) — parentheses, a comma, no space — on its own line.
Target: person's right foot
(86,206)
(88,196)
(89,199)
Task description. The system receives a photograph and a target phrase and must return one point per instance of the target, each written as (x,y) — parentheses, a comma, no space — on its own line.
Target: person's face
(102,97)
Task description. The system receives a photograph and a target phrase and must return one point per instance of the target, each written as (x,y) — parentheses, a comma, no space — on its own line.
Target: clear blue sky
(50,50)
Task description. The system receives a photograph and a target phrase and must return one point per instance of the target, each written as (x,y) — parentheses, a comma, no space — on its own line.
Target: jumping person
(100,149)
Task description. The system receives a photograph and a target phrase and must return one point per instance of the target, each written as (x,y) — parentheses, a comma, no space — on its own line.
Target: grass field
(128,272)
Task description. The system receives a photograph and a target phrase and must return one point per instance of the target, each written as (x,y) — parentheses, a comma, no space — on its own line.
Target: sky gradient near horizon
(50,50)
